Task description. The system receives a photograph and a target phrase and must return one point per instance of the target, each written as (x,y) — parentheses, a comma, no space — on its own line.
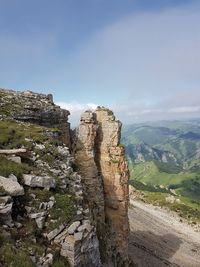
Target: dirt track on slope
(159,239)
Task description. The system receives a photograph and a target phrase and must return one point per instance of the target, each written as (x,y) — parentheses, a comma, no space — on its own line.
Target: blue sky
(139,57)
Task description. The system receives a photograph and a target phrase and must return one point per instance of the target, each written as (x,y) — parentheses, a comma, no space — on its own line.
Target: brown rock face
(101,162)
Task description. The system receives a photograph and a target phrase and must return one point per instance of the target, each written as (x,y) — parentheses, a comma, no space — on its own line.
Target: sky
(140,58)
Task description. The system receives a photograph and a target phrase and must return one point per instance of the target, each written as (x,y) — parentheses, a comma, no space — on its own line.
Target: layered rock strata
(101,162)
(36,108)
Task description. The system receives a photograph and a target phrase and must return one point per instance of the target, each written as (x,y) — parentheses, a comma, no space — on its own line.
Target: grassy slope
(15,135)
(186,183)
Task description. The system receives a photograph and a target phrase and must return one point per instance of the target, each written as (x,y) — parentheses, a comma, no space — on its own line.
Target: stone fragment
(37,215)
(55,232)
(78,236)
(15,159)
(64,151)
(40,146)
(12,188)
(72,228)
(39,181)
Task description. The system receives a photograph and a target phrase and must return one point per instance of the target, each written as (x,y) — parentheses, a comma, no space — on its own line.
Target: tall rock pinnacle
(101,162)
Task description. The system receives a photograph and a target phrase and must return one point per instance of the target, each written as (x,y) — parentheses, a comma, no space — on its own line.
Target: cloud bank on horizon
(144,65)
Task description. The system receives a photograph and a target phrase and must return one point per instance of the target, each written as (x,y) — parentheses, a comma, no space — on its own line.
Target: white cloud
(146,65)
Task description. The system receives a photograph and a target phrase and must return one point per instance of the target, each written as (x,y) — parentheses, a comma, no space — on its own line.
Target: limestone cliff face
(101,162)
(35,108)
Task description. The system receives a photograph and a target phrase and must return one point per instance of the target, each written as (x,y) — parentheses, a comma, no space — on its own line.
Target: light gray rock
(13,177)
(39,181)
(15,159)
(37,215)
(12,151)
(50,204)
(78,236)
(55,232)
(59,239)
(68,249)
(40,146)
(64,151)
(13,188)
(72,228)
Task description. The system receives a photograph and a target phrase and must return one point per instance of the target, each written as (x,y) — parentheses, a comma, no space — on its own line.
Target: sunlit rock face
(101,162)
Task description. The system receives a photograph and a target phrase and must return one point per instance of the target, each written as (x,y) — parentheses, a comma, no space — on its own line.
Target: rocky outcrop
(102,165)
(13,188)
(69,209)
(35,108)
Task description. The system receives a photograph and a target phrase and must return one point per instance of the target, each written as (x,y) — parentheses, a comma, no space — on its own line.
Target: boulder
(39,181)
(73,227)
(12,188)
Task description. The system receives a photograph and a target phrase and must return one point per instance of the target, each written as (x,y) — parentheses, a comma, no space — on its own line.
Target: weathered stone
(39,181)
(78,236)
(37,215)
(12,188)
(72,228)
(59,239)
(40,146)
(101,160)
(55,232)
(39,109)
(64,151)
(15,159)
(13,177)
(12,151)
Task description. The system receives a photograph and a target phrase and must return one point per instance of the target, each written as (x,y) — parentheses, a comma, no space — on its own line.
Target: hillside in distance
(174,144)
(164,162)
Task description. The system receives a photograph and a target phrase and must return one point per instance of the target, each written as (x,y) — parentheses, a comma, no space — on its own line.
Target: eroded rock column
(101,162)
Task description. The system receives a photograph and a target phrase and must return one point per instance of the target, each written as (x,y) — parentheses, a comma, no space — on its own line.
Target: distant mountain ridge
(176,142)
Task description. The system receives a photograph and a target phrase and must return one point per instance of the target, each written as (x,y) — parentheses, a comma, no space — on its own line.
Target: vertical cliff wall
(101,162)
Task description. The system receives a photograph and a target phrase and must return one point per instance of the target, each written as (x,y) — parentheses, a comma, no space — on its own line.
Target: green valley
(164,161)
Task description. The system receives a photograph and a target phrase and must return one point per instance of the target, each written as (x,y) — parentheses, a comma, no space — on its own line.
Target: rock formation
(56,208)
(101,162)
(35,108)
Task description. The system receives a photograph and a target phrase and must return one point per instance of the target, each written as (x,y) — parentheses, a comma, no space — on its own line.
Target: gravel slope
(158,238)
